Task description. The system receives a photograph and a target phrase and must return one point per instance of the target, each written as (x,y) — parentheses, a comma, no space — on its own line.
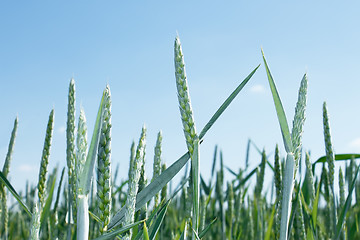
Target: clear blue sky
(130,46)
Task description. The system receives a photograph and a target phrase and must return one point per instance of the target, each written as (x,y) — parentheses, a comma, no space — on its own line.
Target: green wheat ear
(133,184)
(6,168)
(310,177)
(157,165)
(342,199)
(70,148)
(45,160)
(299,120)
(278,186)
(104,164)
(330,157)
(82,145)
(184,97)
(260,176)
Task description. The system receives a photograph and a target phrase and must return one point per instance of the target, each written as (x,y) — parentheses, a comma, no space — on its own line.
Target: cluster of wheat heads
(85,205)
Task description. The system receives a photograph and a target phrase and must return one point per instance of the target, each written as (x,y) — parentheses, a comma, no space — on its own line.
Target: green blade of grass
(96,218)
(207,228)
(86,174)
(14,193)
(315,207)
(158,221)
(46,210)
(279,110)
(56,204)
(204,187)
(339,157)
(214,162)
(195,166)
(226,104)
(183,235)
(346,207)
(146,233)
(270,221)
(111,235)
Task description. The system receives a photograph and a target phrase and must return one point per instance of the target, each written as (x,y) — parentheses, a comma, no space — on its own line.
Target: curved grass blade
(315,207)
(96,218)
(279,110)
(116,232)
(158,211)
(270,223)
(214,162)
(243,181)
(204,187)
(158,221)
(207,228)
(183,235)
(339,157)
(86,174)
(146,233)
(56,204)
(14,193)
(288,187)
(346,207)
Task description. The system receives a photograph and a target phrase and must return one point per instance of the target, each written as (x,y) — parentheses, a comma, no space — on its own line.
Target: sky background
(130,47)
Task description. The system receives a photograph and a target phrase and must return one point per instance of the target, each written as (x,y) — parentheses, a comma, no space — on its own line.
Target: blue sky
(130,47)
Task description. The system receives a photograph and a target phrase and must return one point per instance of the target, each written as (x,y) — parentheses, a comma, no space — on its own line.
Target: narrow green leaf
(86,174)
(339,157)
(204,186)
(214,162)
(195,166)
(346,207)
(243,181)
(279,110)
(315,206)
(270,223)
(158,221)
(46,210)
(146,233)
(14,193)
(96,218)
(207,228)
(111,235)
(183,235)
(226,104)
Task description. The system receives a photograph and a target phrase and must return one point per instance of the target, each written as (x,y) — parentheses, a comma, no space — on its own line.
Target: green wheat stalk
(189,128)
(35,224)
